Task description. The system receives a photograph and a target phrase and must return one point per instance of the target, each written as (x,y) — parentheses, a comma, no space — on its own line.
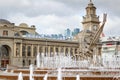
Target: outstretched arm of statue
(104,19)
(99,31)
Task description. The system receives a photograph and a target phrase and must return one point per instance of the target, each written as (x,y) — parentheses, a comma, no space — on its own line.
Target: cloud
(112,26)
(54,16)
(35,8)
(49,24)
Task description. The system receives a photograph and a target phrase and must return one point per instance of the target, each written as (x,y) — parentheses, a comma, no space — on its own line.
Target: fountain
(38,60)
(46,76)
(31,72)
(77,77)
(64,67)
(20,76)
(59,61)
(59,77)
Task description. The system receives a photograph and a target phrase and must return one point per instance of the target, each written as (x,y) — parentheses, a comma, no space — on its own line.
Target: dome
(23,25)
(4,22)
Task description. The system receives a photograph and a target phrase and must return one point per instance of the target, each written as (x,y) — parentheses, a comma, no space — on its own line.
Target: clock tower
(90,20)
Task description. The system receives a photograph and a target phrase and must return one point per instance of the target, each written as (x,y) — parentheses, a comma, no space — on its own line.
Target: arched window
(28,51)
(4,51)
(5,33)
(24,32)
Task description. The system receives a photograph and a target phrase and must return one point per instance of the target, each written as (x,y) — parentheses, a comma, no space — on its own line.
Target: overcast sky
(54,16)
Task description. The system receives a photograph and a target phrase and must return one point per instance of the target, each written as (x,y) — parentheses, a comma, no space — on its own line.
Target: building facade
(19,49)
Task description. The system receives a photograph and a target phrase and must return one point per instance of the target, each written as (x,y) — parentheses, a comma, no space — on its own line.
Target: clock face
(95,27)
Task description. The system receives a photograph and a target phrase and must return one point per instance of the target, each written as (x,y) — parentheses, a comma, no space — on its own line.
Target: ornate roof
(5,22)
(23,25)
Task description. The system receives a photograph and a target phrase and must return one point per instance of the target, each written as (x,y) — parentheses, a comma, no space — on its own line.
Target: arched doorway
(4,55)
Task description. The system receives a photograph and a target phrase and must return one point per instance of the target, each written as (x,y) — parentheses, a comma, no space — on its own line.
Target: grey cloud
(110,6)
(33,8)
(61,8)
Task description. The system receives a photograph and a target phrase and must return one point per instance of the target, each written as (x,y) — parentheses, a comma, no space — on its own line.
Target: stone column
(46,50)
(26,50)
(43,49)
(31,50)
(64,51)
(20,49)
(49,52)
(14,49)
(73,51)
(54,50)
(38,49)
(69,51)
(59,51)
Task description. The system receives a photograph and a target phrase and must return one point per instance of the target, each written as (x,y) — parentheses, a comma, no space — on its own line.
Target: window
(24,32)
(29,51)
(5,33)
(29,62)
(23,62)
(46,50)
(23,50)
(35,62)
(66,52)
(35,51)
(16,34)
(56,51)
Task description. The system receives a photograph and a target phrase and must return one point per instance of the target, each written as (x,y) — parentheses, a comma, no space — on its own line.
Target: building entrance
(4,55)
(4,62)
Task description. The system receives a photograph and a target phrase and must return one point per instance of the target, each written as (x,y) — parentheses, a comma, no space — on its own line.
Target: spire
(90,1)
(91,9)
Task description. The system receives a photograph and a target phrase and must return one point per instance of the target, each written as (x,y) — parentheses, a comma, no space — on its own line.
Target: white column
(59,50)
(26,50)
(38,49)
(32,50)
(14,49)
(69,51)
(49,51)
(43,49)
(64,50)
(20,49)
(54,50)
(73,50)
